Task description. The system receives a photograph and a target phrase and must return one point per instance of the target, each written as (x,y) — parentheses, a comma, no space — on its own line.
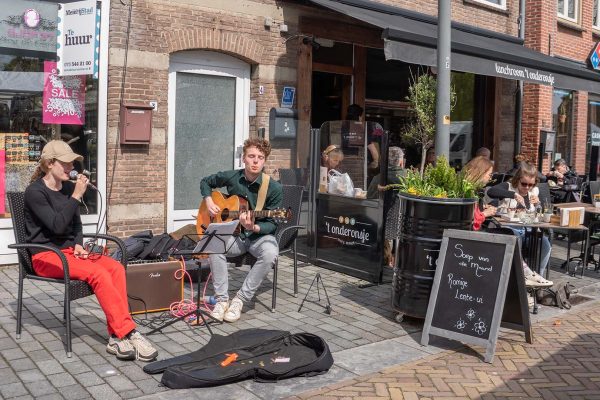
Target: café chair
(286,235)
(73,289)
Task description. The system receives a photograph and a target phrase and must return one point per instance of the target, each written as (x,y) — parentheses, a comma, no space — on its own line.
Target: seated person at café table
(561,178)
(256,237)
(521,195)
(331,157)
(395,170)
(479,171)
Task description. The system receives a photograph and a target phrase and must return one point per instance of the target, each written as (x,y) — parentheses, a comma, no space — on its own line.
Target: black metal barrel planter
(422,221)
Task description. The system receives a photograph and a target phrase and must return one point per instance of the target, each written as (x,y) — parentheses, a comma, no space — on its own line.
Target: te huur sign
(478,287)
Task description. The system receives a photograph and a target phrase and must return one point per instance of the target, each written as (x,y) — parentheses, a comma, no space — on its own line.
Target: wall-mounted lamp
(311,40)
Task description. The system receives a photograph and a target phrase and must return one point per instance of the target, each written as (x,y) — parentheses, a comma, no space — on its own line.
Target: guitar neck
(255,214)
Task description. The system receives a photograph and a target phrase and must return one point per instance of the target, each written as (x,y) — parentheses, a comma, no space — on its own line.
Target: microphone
(74,174)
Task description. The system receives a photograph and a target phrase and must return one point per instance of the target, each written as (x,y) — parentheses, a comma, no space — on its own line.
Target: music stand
(211,242)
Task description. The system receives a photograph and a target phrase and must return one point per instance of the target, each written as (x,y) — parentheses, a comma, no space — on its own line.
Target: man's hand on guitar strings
(247,220)
(212,208)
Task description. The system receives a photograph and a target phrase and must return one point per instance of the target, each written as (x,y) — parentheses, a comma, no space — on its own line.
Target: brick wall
(549,35)
(137,175)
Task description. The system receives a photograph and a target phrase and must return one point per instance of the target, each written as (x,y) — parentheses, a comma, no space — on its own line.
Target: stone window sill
(570,25)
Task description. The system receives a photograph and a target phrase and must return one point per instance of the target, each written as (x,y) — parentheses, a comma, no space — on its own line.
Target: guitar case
(260,354)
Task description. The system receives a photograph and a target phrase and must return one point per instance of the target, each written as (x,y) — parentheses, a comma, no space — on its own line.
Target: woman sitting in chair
(52,218)
(521,193)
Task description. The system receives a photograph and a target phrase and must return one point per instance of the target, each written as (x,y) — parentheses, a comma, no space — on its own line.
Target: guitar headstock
(281,214)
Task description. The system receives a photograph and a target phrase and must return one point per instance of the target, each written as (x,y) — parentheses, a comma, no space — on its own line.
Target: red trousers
(105,275)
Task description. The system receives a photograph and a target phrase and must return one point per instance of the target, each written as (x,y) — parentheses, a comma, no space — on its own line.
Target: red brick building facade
(268,35)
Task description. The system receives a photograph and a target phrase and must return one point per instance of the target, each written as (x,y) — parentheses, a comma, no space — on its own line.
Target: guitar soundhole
(225,214)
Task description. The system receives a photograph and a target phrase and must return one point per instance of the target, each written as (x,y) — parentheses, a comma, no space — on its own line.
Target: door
(209,95)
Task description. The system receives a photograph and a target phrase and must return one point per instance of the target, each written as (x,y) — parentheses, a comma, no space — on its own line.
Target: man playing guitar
(256,237)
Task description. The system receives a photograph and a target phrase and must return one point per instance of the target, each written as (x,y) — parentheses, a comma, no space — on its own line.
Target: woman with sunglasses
(521,193)
(52,218)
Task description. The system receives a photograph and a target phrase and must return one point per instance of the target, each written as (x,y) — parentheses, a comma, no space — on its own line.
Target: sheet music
(217,243)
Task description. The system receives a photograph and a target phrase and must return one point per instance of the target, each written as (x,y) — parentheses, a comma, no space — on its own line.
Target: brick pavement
(360,329)
(562,363)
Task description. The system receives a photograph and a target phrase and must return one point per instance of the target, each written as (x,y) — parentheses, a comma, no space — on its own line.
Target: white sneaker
(144,351)
(219,311)
(235,310)
(122,348)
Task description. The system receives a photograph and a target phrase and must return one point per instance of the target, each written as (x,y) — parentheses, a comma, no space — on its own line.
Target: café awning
(412,37)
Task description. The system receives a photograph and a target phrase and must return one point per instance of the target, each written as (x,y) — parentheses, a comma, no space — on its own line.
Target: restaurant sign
(516,72)
(350,231)
(28,25)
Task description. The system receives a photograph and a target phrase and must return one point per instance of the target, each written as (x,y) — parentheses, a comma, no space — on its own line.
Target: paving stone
(14,389)
(39,388)
(89,379)
(31,375)
(61,380)
(103,392)
(74,392)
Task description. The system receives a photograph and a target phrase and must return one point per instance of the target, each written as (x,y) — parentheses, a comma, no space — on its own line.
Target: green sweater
(236,184)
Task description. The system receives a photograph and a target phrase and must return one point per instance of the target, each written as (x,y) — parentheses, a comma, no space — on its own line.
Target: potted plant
(427,204)
(422,102)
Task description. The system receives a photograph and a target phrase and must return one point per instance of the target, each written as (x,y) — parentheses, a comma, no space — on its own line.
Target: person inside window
(522,195)
(331,157)
(52,218)
(257,237)
(479,171)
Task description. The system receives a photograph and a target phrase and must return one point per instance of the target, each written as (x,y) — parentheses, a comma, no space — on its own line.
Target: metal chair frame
(286,235)
(73,289)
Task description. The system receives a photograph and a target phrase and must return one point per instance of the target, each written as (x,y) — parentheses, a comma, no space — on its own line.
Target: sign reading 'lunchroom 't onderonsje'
(469,288)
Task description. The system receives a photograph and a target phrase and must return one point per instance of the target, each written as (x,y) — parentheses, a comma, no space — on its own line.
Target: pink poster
(2,183)
(64,97)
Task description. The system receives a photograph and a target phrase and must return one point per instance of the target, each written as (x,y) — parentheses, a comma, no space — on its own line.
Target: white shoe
(235,310)
(144,350)
(219,311)
(539,280)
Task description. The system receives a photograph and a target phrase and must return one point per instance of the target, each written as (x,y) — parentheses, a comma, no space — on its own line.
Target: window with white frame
(494,3)
(568,9)
(595,16)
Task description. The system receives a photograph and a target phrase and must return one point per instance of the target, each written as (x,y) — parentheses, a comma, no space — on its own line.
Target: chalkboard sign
(469,288)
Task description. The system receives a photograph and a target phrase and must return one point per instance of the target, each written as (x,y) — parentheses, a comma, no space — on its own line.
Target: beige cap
(59,150)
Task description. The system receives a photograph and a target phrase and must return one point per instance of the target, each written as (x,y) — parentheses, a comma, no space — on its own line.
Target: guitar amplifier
(152,286)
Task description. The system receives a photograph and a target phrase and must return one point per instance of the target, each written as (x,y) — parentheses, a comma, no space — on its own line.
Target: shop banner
(63,97)
(77,38)
(28,25)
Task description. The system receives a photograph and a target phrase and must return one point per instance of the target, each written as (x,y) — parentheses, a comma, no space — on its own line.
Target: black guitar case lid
(260,354)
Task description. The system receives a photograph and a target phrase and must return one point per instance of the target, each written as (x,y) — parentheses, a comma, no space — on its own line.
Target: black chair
(291,176)
(544,193)
(73,289)
(286,235)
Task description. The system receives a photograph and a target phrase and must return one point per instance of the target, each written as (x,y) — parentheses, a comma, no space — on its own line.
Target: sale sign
(64,97)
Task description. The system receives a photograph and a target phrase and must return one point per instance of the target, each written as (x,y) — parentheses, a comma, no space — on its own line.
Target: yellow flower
(412,190)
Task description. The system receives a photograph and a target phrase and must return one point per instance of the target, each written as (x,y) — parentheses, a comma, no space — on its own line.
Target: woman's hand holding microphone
(81,184)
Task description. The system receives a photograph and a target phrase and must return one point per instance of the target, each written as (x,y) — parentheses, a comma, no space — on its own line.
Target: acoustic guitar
(231,208)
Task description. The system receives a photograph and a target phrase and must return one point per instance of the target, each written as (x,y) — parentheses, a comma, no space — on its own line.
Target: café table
(593,211)
(535,231)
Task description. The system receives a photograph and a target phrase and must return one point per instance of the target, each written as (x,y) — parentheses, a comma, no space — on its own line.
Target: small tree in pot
(422,99)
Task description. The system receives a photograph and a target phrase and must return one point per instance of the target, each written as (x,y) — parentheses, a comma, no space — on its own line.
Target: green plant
(439,180)
(422,99)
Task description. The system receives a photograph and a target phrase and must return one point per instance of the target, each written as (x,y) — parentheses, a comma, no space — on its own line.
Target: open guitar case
(259,354)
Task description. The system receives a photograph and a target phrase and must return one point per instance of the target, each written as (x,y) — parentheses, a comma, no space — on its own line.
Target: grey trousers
(265,249)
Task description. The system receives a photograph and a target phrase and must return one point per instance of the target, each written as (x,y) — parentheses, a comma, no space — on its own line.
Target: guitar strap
(262,192)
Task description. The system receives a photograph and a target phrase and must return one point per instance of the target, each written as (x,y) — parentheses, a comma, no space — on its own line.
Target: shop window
(595,16)
(387,80)
(24,126)
(568,9)
(593,138)
(494,3)
(562,117)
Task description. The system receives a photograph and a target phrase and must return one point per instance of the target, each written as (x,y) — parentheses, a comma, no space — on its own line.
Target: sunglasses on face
(527,185)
